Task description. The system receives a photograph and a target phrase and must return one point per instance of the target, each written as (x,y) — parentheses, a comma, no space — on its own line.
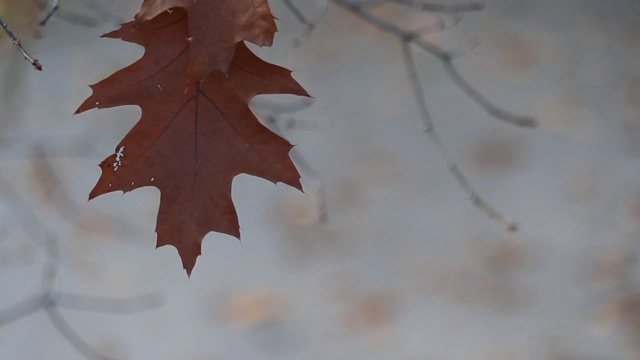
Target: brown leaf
(191,141)
(215,27)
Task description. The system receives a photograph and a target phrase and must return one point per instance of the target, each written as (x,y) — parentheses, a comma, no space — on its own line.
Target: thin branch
(445,57)
(407,38)
(431,7)
(72,18)
(481,100)
(51,9)
(302,19)
(16,42)
(22,309)
(28,219)
(433,135)
(51,265)
(391,28)
(280,108)
(50,300)
(72,337)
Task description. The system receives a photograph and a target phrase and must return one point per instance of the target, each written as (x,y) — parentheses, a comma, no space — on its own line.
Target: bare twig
(433,135)
(282,107)
(445,57)
(408,38)
(29,221)
(307,23)
(481,100)
(431,7)
(298,14)
(16,42)
(22,309)
(51,9)
(50,300)
(72,337)
(73,18)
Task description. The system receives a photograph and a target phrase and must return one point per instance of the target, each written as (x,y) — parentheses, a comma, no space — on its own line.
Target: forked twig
(309,25)
(50,301)
(16,42)
(51,9)
(445,57)
(408,38)
(75,17)
(433,135)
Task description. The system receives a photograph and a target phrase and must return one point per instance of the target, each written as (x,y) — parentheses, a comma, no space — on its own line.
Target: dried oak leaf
(191,141)
(215,27)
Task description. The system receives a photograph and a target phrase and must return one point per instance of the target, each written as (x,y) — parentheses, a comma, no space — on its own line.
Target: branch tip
(16,42)
(511,226)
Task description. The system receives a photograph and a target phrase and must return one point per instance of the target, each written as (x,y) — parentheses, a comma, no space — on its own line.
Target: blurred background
(384,258)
